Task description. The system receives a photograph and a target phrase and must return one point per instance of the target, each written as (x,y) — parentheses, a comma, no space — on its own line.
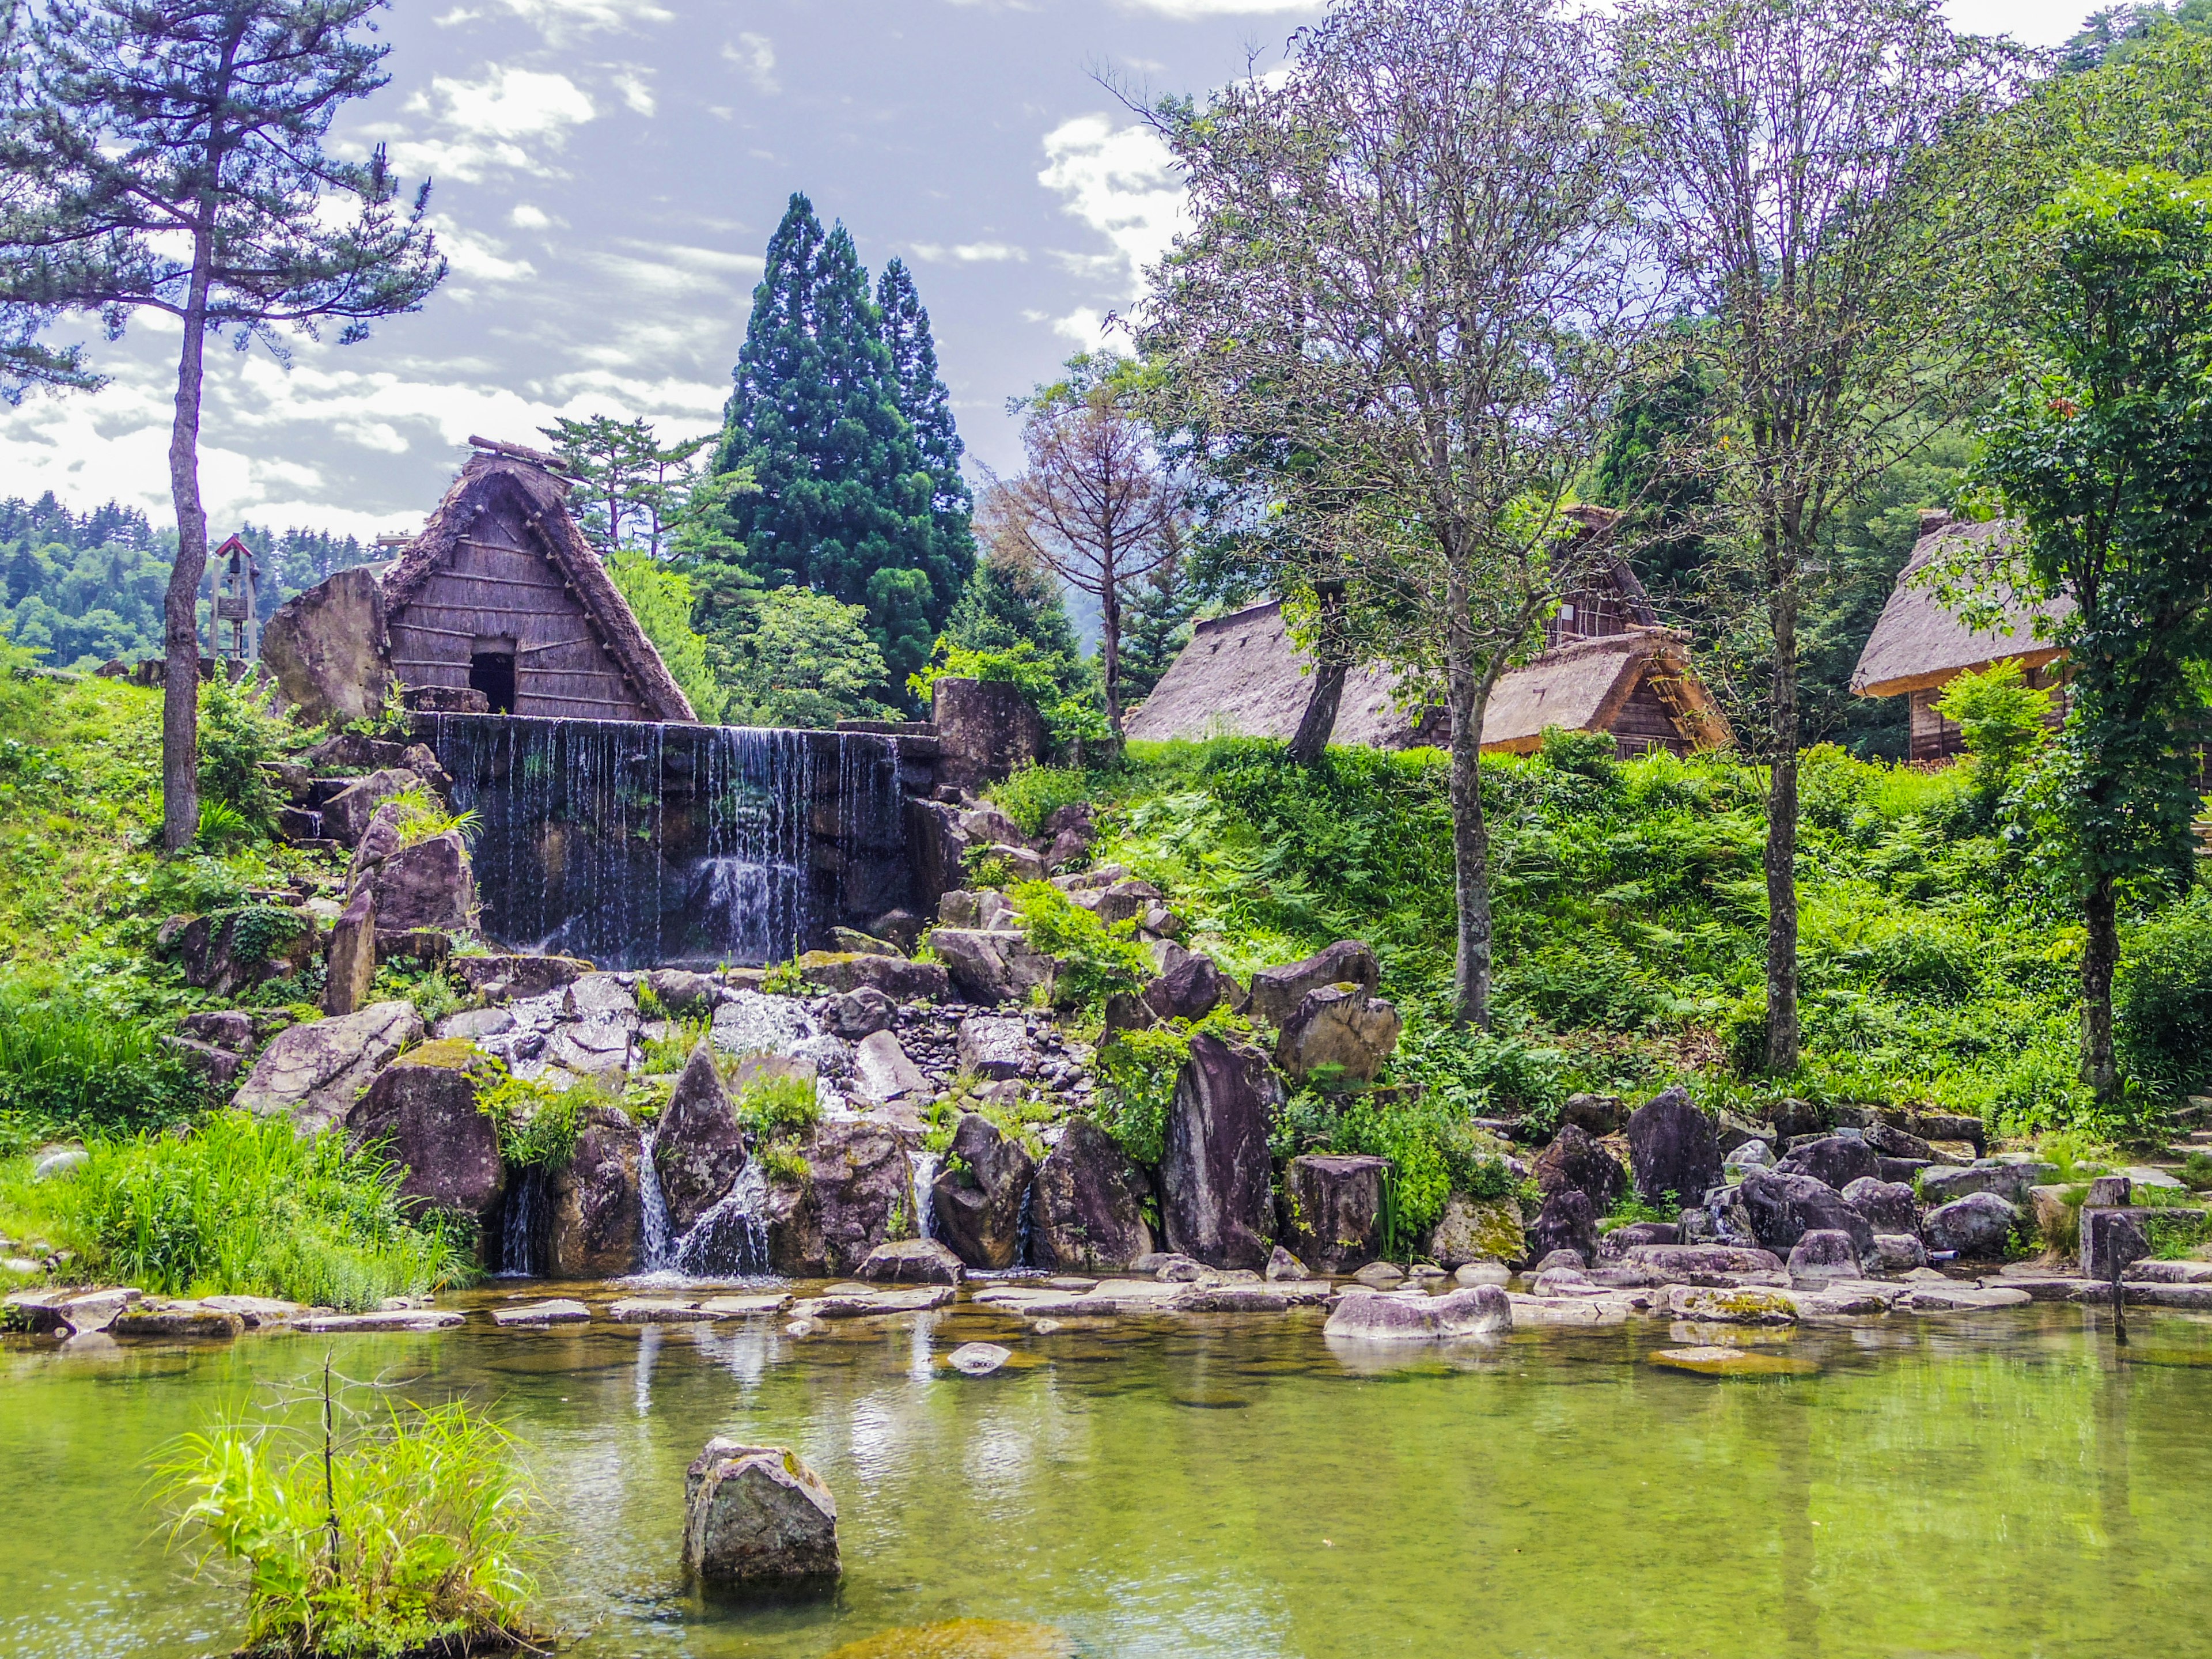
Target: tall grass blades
(244,1207)
(411,1535)
(69,1068)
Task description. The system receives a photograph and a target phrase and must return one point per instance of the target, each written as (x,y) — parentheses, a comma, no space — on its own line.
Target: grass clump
(1095,960)
(421,817)
(538,1125)
(242,1205)
(68,1067)
(410,1534)
(773,1106)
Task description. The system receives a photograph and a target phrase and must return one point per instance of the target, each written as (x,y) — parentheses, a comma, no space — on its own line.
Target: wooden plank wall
(499,583)
(1645,723)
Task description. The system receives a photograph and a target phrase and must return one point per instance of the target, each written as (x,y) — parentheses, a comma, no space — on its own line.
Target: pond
(1226,1486)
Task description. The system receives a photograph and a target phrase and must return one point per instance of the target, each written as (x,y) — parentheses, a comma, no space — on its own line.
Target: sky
(605,174)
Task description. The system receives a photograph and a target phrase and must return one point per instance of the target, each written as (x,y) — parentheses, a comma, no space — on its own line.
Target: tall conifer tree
(847,502)
(928,409)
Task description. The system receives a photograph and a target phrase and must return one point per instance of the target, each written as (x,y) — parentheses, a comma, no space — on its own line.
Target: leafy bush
(1032,794)
(67,1068)
(237,735)
(2000,721)
(410,1536)
(2162,1000)
(1592,755)
(1053,683)
(1137,1072)
(242,1206)
(770,1106)
(423,817)
(538,1125)
(1095,960)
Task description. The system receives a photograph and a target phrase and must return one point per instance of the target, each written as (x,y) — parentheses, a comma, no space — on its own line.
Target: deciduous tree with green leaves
(2104,447)
(170,155)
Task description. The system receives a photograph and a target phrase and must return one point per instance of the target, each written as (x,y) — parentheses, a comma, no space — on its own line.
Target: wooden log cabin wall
(502,594)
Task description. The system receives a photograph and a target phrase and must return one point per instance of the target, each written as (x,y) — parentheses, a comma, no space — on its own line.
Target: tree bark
(1109,643)
(180,630)
(1467,693)
(1332,667)
(2100,955)
(1781,857)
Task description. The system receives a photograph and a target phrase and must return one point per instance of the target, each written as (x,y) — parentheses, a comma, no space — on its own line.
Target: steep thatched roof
(511,478)
(1918,644)
(1242,676)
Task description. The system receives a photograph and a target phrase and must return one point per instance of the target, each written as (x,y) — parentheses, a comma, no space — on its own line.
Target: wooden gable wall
(498,584)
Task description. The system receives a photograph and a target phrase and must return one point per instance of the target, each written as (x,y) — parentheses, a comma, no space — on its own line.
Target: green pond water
(1991,1485)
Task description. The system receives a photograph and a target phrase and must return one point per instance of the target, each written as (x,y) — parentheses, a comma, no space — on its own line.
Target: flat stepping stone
(978,1358)
(1731,1362)
(256,1310)
(920,1299)
(745,1307)
(657,1310)
(1961,1298)
(559,1311)
(1568,1309)
(1066,1283)
(190,1322)
(396,1319)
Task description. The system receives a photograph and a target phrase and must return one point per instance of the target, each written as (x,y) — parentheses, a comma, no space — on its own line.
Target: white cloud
(512,117)
(1120,181)
(631,83)
(478,256)
(969,253)
(559,20)
(756,55)
(1085,325)
(526,217)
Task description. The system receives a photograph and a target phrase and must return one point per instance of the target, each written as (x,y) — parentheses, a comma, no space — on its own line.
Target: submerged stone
(962,1638)
(1731,1362)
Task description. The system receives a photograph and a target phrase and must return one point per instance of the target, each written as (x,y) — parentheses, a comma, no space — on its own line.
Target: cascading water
(523,1223)
(924,1166)
(728,1240)
(657,1253)
(638,845)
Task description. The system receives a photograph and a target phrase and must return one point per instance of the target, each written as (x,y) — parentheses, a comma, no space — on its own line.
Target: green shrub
(1033,793)
(243,1206)
(782,1161)
(538,1125)
(409,1535)
(771,1106)
(2162,1000)
(1593,754)
(237,735)
(1137,1072)
(1095,960)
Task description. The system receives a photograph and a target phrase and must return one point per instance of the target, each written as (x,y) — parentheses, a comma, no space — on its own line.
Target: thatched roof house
(500,594)
(1918,647)
(1610,668)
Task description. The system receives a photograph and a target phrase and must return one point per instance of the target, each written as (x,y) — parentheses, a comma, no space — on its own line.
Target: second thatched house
(499,604)
(1608,665)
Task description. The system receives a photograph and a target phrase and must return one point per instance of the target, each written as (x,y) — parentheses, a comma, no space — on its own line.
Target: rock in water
(979,1212)
(858,1180)
(1565,1223)
(1335,1205)
(979,1358)
(912,1261)
(1283,1267)
(1214,1171)
(1477,1230)
(699,1151)
(1575,1162)
(425,1105)
(756,1515)
(598,1218)
(1822,1255)
(1277,992)
(316,1072)
(1338,1034)
(1371,1316)
(1088,1211)
(1978,1224)
(1672,1150)
(1783,1208)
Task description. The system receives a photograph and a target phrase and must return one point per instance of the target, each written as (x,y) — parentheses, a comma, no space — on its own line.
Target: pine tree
(1158,628)
(1006,602)
(846,493)
(927,407)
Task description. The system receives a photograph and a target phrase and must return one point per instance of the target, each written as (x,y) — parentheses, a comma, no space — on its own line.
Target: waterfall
(640,844)
(924,1165)
(730,1240)
(1022,1229)
(656,1256)
(522,1225)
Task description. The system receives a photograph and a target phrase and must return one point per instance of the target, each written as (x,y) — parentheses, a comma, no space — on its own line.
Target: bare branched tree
(1813,163)
(1415,264)
(1096,503)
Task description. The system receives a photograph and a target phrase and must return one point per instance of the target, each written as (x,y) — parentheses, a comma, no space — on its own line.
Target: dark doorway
(492,673)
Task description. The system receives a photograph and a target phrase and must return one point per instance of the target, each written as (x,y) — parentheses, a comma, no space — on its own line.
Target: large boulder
(858,1182)
(227,952)
(1783,1208)
(1214,1169)
(911,1261)
(985,730)
(598,1217)
(1338,1037)
(2111,1238)
(1476,1229)
(1835,1160)
(756,1515)
(993,965)
(882,1073)
(899,980)
(315,1072)
(1372,1317)
(1568,1221)
(424,1108)
(2010,1182)
(994,1046)
(977,1197)
(1277,992)
(328,650)
(1672,1150)
(1332,1210)
(346,815)
(430,884)
(1575,1162)
(1823,1254)
(1089,1212)
(505,978)
(1888,1205)
(1978,1225)
(349,957)
(1193,987)
(698,1151)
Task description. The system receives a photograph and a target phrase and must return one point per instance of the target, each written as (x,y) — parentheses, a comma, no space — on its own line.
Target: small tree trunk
(1332,667)
(180,630)
(1467,693)
(1781,859)
(2100,955)
(1109,646)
